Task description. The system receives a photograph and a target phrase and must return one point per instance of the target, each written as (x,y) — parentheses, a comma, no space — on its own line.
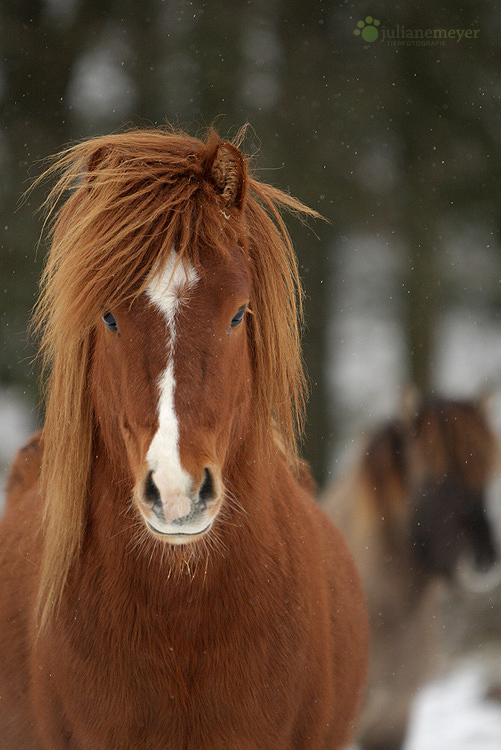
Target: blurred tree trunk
(423,288)
(304,125)
(39,54)
(36,69)
(423,131)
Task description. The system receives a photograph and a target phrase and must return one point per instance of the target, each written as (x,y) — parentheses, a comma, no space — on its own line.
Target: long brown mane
(133,197)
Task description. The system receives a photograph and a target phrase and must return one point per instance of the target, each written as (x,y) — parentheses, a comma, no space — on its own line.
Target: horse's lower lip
(178,533)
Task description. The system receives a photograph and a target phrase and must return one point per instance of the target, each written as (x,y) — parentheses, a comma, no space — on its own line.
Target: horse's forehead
(228,273)
(167,285)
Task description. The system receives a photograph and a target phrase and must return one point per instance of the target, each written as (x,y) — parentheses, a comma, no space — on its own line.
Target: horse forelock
(135,196)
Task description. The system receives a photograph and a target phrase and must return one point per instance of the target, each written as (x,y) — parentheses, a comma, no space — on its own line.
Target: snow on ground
(455,713)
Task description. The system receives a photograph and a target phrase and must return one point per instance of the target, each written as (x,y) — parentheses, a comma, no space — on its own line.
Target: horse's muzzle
(178,516)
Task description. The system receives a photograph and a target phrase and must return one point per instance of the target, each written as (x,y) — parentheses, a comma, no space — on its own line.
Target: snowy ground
(455,712)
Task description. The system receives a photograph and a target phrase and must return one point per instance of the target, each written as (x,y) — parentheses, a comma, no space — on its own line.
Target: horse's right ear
(228,171)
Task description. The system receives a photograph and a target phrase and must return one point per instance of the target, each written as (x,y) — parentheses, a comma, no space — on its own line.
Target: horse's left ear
(229,172)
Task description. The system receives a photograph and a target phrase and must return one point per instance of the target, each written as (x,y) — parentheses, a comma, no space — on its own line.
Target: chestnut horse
(166,580)
(413,511)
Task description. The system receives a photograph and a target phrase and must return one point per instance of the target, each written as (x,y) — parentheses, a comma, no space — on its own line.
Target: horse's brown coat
(255,636)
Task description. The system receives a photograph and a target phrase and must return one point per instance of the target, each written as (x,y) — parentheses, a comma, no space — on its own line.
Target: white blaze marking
(165,291)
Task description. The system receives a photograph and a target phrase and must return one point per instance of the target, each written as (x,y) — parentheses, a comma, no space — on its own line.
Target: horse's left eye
(110,322)
(237,319)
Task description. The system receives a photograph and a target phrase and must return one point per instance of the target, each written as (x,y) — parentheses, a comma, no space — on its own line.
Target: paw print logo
(368,29)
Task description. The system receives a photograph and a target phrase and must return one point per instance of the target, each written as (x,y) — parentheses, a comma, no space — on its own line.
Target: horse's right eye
(238,317)
(110,322)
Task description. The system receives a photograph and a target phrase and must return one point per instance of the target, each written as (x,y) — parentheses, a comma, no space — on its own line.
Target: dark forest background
(399,144)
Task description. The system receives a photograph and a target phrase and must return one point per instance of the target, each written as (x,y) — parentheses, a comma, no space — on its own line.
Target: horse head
(177,364)
(169,319)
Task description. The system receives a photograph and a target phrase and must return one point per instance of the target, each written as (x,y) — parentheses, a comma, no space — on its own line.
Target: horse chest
(136,677)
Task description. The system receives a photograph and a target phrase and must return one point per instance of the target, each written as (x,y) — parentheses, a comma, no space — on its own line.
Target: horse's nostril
(151,490)
(206,491)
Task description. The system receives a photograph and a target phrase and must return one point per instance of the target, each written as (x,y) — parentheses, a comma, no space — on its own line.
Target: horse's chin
(175,536)
(477,581)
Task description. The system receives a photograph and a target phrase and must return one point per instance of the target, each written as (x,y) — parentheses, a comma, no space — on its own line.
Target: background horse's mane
(456,436)
(453,435)
(134,196)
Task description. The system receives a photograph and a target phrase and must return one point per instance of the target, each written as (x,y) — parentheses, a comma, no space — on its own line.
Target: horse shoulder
(25,470)
(337,618)
(350,506)
(19,569)
(20,539)
(335,556)
(337,502)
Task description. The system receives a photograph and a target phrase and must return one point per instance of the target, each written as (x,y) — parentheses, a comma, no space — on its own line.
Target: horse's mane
(134,196)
